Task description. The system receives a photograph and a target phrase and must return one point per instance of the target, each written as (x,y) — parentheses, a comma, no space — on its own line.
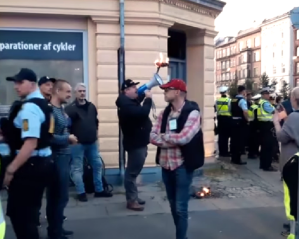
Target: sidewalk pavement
(242,196)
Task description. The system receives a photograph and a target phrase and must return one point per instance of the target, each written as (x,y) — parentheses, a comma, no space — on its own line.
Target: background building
(239,57)
(79,40)
(278,46)
(249,55)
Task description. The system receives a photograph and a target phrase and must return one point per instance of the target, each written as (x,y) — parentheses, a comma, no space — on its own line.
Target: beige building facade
(147,26)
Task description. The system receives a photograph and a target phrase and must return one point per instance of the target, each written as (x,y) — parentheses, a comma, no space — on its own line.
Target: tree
(266,82)
(233,88)
(285,90)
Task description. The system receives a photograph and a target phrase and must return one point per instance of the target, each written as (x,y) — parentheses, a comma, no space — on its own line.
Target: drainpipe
(121,79)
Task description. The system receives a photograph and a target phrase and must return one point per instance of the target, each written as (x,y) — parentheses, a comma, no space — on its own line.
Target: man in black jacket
(136,126)
(84,125)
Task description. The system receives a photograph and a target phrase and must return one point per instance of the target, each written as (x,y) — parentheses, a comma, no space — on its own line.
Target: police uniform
(32,118)
(239,124)
(290,186)
(223,121)
(253,144)
(266,126)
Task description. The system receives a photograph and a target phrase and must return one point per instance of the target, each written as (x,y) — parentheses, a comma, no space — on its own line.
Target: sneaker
(103,194)
(82,197)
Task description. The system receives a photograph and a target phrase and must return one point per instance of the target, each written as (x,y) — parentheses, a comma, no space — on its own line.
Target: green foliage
(266,82)
(285,90)
(233,88)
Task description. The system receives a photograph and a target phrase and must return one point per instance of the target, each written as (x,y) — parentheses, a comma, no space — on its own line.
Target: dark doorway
(177,54)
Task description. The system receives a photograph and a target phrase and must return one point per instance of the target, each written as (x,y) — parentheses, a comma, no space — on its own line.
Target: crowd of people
(267,127)
(49,138)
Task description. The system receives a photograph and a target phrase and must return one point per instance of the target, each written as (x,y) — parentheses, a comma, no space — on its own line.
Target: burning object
(203,192)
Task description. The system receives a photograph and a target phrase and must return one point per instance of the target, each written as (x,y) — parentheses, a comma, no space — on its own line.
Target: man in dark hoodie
(84,125)
(136,127)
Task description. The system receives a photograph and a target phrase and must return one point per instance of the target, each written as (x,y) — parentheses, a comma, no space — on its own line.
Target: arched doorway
(176,48)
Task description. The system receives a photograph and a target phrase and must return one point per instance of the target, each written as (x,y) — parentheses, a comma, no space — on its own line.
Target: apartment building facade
(239,57)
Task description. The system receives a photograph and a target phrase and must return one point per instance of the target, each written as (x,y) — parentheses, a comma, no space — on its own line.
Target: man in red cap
(179,138)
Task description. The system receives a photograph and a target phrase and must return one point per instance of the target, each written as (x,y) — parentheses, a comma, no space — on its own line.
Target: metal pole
(121,78)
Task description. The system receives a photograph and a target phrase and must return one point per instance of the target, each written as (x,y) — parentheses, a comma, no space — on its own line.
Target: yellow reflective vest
(262,115)
(290,186)
(251,112)
(222,106)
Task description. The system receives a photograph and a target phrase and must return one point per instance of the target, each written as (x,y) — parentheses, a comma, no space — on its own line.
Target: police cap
(256,97)
(223,89)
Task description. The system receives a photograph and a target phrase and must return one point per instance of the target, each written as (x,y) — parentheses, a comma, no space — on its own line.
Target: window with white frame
(240,46)
(297,70)
(227,64)
(283,68)
(223,65)
(224,53)
(232,50)
(248,43)
(298,34)
(255,72)
(220,54)
(297,51)
(227,76)
(228,51)
(257,41)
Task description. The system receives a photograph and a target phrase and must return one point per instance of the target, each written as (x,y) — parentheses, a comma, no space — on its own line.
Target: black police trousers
(224,133)
(253,139)
(237,139)
(268,146)
(25,193)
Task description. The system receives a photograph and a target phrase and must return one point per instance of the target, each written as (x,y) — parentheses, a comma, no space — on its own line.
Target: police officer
(253,144)
(264,115)
(30,127)
(223,121)
(239,112)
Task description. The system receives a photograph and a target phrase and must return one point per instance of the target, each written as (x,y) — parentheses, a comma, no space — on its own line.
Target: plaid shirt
(170,142)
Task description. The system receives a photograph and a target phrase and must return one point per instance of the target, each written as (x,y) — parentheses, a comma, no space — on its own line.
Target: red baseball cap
(176,84)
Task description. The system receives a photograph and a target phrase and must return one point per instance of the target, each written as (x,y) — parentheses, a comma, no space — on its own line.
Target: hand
(148,94)
(73,139)
(276,117)
(7,178)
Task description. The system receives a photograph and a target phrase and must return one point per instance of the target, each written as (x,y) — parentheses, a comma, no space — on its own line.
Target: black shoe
(103,194)
(140,201)
(287,226)
(270,169)
(82,197)
(239,163)
(67,233)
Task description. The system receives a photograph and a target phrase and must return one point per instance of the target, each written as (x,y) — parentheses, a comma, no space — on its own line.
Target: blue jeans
(177,185)
(91,152)
(58,194)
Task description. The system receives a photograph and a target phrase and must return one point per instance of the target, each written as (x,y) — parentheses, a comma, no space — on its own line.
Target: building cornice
(211,8)
(242,35)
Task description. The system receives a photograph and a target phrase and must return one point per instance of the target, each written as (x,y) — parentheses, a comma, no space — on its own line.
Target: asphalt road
(256,223)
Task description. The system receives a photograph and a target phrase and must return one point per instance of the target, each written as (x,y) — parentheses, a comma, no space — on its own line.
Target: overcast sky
(241,14)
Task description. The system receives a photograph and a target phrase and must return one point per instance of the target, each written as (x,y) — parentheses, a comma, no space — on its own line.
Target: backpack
(88,178)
